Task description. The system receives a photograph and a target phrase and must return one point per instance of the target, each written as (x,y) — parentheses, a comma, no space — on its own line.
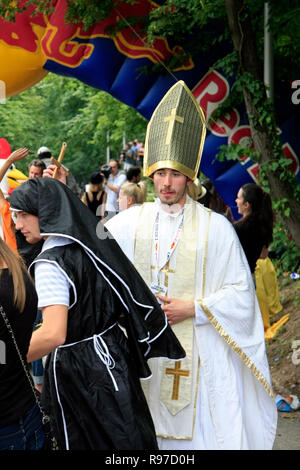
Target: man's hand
(18,154)
(60,175)
(177,310)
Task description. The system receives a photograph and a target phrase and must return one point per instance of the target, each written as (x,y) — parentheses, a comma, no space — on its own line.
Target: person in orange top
(8,228)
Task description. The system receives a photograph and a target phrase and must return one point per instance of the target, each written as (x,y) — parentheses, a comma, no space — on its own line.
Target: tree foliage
(60,109)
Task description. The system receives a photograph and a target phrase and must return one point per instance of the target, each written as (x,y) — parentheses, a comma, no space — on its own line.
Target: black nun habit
(92,383)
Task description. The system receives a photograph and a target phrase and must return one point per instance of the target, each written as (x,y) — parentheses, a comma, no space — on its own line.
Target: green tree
(60,110)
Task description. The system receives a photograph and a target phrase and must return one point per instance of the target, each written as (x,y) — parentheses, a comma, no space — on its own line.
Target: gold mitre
(175,133)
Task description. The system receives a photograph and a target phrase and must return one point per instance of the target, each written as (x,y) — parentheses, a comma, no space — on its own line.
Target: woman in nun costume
(86,288)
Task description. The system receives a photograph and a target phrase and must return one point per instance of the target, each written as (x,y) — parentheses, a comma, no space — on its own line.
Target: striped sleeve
(52,285)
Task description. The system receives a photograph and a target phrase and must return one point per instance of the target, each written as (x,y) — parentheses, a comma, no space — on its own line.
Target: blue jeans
(26,434)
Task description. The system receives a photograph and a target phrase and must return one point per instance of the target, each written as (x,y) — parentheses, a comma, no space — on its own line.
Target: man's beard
(172,206)
(178,198)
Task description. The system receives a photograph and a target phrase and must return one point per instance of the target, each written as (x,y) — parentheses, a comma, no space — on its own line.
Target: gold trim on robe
(237,349)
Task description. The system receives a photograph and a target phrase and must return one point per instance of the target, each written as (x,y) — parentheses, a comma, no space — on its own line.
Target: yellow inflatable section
(23,69)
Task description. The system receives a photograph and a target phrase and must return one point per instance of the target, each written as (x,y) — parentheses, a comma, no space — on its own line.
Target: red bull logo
(27,43)
(60,42)
(21,33)
(212,90)
(21,53)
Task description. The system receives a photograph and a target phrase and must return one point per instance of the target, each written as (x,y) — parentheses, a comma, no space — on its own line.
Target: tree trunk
(245,44)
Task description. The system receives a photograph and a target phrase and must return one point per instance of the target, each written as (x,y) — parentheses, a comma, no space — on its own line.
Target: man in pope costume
(220,396)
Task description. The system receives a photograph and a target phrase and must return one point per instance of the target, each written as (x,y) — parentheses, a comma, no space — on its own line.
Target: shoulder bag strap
(25,366)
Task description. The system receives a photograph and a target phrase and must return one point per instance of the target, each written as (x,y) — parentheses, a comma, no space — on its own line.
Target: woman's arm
(15,156)
(83,199)
(51,334)
(103,205)
(264,252)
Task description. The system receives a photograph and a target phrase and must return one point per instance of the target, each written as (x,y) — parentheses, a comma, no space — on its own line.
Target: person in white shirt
(112,188)
(220,396)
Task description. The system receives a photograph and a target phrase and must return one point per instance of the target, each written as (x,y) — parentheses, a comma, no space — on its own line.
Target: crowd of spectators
(115,175)
(132,155)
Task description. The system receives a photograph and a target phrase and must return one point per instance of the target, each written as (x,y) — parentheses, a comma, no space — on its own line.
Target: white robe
(235,407)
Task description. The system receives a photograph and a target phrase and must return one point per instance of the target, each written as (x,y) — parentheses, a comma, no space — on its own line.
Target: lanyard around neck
(173,244)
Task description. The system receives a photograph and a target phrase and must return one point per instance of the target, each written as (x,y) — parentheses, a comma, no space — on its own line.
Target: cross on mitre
(171,120)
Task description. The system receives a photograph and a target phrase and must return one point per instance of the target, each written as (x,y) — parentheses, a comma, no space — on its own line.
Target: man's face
(170,186)
(35,172)
(29,226)
(114,168)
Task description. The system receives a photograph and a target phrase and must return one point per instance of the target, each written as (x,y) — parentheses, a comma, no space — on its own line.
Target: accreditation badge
(158,290)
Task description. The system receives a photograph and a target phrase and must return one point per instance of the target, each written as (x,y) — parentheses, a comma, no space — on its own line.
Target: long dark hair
(261,209)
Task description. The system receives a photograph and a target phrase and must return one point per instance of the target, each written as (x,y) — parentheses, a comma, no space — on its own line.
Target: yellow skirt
(267,290)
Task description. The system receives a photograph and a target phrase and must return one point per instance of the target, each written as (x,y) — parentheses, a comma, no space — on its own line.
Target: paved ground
(288,431)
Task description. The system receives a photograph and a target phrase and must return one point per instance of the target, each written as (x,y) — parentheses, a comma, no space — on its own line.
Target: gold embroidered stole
(178,379)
